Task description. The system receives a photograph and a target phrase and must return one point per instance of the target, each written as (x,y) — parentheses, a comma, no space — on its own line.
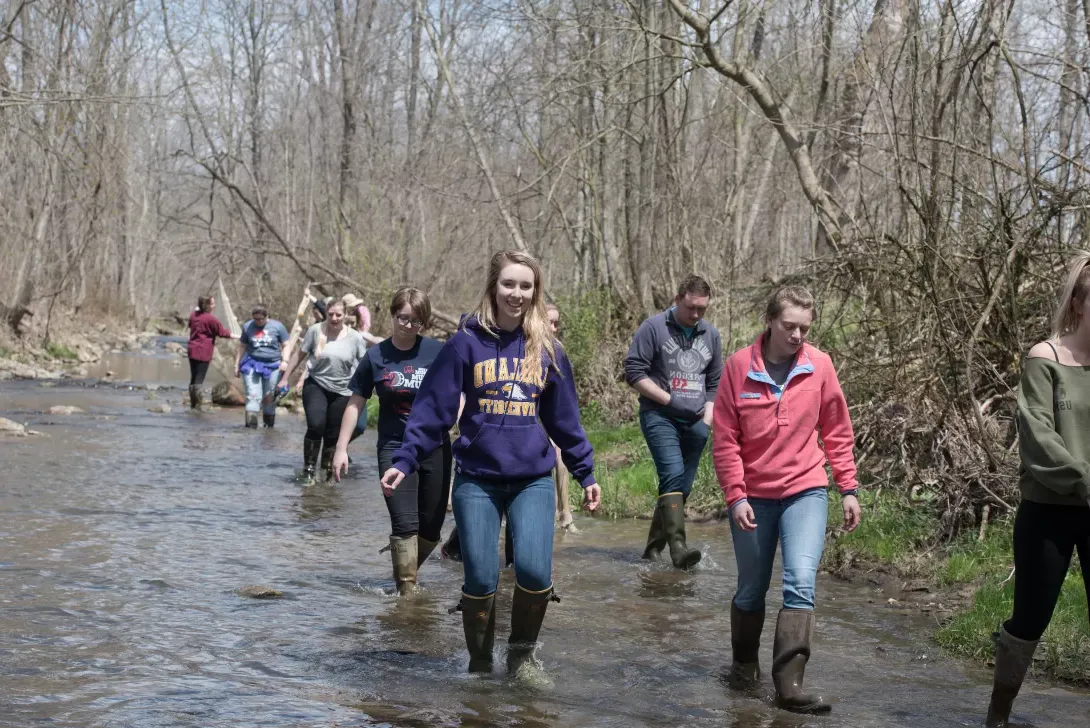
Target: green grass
(6,353)
(889,531)
(60,351)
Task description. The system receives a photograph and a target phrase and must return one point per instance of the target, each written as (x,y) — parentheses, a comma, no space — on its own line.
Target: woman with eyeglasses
(393,371)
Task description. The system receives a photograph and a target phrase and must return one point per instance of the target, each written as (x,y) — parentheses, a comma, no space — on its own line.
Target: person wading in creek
(451,549)
(1053,519)
(675,362)
(333,351)
(257,363)
(519,392)
(393,371)
(204,328)
(780,414)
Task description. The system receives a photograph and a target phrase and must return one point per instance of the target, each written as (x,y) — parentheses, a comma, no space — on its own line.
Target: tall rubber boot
(251,420)
(790,653)
(326,466)
(196,398)
(452,548)
(656,536)
(479,626)
(1013,657)
(745,642)
(403,554)
(311,448)
(268,420)
(527,614)
(673,525)
(424,547)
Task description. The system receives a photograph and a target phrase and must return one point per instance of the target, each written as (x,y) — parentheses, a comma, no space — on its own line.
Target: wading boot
(656,537)
(268,421)
(479,625)
(326,467)
(424,547)
(527,614)
(790,653)
(403,554)
(673,525)
(745,642)
(1012,659)
(452,548)
(196,399)
(311,448)
(251,420)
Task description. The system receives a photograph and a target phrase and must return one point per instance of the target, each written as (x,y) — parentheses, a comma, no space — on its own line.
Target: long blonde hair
(1065,320)
(535,322)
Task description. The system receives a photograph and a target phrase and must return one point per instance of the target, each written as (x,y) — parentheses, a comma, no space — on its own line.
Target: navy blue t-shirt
(395,375)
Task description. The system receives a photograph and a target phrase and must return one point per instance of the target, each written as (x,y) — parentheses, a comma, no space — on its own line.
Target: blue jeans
(531,511)
(676,448)
(798,523)
(257,387)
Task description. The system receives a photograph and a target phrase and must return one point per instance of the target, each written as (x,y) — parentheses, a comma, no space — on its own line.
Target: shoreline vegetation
(902,548)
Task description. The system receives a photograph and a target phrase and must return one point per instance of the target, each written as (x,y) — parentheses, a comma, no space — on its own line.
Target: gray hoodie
(689,369)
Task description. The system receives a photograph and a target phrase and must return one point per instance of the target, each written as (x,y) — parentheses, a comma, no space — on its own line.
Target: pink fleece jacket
(765,439)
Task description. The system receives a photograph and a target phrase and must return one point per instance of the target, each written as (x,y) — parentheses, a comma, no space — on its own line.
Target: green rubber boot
(479,626)
(527,614)
(673,524)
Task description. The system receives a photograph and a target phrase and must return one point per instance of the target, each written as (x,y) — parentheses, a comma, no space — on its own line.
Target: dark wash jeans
(676,448)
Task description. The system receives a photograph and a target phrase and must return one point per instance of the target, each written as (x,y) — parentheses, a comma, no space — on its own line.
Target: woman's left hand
(592,496)
(852,512)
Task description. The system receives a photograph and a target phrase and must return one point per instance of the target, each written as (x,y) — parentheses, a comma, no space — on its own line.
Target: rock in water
(227,394)
(65,409)
(259,592)
(8,427)
(163,409)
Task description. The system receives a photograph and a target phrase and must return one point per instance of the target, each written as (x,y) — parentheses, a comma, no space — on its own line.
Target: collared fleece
(773,442)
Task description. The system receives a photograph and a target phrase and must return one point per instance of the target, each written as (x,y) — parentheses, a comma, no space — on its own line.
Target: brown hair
(1075,289)
(695,285)
(204,303)
(416,299)
(789,295)
(259,308)
(535,322)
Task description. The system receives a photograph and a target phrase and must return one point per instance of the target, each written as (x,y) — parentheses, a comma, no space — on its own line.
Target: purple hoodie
(502,433)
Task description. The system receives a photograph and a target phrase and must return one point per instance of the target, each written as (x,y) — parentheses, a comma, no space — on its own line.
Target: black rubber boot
(790,653)
(452,549)
(268,420)
(656,536)
(424,547)
(196,398)
(311,448)
(745,642)
(1013,657)
(479,626)
(251,420)
(527,614)
(673,525)
(327,461)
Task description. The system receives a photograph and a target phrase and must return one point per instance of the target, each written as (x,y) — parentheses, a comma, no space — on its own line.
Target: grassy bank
(896,542)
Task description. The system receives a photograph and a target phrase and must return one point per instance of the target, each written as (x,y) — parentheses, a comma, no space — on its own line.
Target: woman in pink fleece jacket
(776,398)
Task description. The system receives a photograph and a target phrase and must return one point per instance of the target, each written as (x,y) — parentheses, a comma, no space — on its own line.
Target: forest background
(921,166)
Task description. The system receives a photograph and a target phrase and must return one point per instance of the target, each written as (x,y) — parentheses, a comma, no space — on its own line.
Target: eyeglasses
(408,321)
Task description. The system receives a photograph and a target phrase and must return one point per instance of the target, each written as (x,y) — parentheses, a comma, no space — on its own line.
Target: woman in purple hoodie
(519,392)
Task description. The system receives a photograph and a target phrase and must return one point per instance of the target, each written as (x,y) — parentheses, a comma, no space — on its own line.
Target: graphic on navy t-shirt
(396,376)
(264,344)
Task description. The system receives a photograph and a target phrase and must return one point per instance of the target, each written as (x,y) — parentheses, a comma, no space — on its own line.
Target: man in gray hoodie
(675,362)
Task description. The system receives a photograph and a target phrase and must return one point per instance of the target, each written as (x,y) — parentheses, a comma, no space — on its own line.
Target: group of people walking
(775,414)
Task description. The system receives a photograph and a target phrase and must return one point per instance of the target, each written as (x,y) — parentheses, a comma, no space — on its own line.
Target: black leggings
(1044,538)
(197,370)
(324,411)
(419,504)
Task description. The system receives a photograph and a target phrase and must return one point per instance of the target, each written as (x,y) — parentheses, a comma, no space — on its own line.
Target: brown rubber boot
(424,547)
(479,626)
(527,614)
(673,524)
(745,642)
(403,555)
(656,536)
(1013,657)
(790,653)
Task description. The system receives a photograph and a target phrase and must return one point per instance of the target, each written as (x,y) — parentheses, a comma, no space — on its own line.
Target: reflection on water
(124,536)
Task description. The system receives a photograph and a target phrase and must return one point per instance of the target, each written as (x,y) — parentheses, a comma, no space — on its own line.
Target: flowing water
(124,536)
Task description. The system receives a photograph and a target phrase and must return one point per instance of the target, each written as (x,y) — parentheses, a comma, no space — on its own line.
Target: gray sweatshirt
(687,368)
